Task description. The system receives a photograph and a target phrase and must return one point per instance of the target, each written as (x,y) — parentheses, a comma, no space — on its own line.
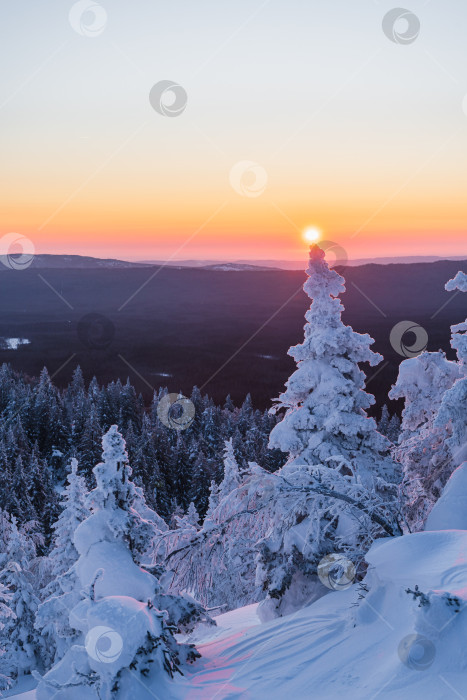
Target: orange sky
(359,136)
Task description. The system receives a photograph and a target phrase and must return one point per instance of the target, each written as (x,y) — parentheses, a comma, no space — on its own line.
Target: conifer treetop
(458,282)
(325,397)
(113,473)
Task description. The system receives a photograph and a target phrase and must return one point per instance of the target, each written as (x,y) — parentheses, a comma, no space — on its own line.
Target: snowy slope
(319,653)
(450,510)
(331,649)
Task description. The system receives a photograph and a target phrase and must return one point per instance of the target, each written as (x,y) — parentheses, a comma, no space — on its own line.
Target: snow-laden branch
(391,527)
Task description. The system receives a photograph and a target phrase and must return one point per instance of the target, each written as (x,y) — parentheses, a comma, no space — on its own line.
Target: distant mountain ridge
(51,261)
(299,264)
(48,261)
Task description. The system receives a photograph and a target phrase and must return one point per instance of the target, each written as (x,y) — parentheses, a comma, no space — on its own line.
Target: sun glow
(312,234)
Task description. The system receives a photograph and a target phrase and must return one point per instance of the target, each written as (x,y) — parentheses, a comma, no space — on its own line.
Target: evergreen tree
(383,424)
(23,648)
(231,478)
(122,597)
(199,488)
(129,407)
(7,617)
(453,409)
(192,516)
(20,503)
(89,446)
(422,450)
(214,498)
(77,407)
(229,405)
(60,596)
(394,429)
(334,451)
(5,478)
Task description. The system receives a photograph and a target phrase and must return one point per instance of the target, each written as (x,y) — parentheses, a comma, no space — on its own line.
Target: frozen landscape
(339,567)
(233,350)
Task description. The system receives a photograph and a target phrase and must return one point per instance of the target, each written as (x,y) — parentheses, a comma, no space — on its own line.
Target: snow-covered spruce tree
(63,592)
(21,642)
(213,498)
(126,642)
(383,423)
(394,429)
(192,516)
(422,450)
(339,467)
(453,409)
(231,478)
(6,617)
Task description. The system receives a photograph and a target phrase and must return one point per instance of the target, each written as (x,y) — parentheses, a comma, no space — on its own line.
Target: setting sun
(312,234)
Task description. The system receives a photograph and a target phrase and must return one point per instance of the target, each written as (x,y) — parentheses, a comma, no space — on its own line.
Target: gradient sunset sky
(358,135)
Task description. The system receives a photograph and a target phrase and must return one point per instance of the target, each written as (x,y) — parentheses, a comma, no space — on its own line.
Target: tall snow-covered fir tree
(124,628)
(62,593)
(337,492)
(336,457)
(325,398)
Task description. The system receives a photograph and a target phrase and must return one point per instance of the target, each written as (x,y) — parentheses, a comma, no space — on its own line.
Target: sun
(312,234)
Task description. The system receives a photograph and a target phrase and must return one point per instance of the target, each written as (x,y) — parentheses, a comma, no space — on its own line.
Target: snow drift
(381,642)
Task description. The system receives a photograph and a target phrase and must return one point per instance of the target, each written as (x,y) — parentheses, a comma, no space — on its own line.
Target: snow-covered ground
(388,646)
(332,648)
